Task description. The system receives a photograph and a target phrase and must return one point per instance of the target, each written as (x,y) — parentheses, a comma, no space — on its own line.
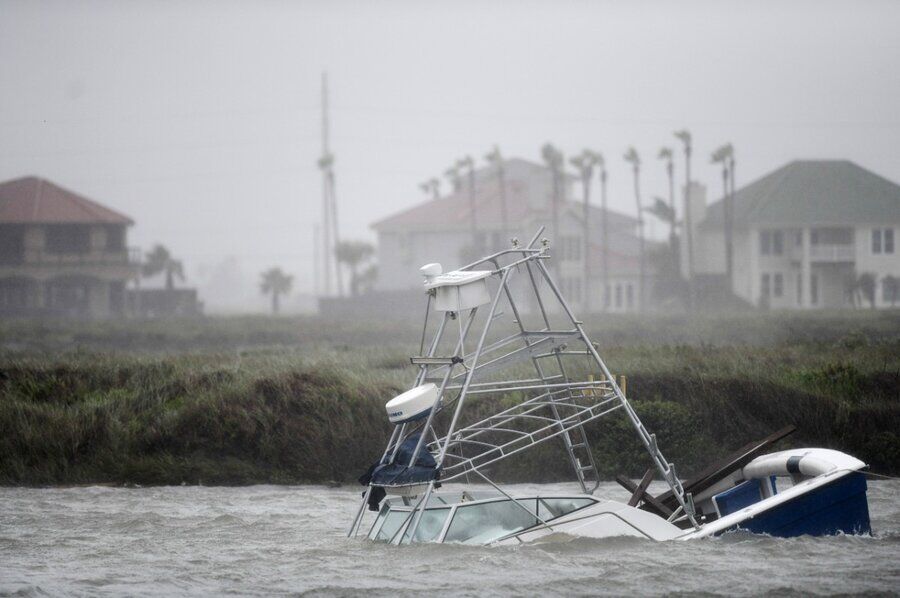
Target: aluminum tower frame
(553,402)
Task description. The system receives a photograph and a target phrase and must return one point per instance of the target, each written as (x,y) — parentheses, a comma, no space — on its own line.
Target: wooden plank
(638,494)
(650,503)
(723,467)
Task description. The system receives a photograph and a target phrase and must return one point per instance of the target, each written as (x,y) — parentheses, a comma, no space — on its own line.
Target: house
(442,230)
(61,253)
(803,234)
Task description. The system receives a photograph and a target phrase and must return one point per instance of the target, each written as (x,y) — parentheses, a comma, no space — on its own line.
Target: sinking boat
(505,333)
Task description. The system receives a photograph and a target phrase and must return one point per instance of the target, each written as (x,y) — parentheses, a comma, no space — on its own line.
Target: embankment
(237,420)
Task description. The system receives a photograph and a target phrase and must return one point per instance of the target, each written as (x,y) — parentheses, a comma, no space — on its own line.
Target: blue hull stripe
(837,507)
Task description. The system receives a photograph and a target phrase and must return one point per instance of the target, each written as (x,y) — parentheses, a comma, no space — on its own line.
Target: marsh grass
(251,400)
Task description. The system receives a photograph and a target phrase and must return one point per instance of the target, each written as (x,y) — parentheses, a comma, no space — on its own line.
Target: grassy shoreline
(253,400)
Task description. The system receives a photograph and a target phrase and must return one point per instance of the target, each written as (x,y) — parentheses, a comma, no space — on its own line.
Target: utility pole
(330,229)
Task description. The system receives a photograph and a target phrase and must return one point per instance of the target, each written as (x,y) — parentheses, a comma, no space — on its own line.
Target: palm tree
(891,285)
(160,260)
(468,163)
(276,283)
(585,166)
(604,228)
(496,160)
(685,137)
(433,187)
(367,278)
(662,210)
(554,160)
(664,262)
(354,254)
(722,156)
(632,157)
(665,153)
(452,174)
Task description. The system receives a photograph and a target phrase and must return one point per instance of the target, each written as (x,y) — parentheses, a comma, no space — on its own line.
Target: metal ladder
(587,473)
(579,449)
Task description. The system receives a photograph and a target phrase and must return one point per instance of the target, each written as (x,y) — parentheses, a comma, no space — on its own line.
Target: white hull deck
(492,518)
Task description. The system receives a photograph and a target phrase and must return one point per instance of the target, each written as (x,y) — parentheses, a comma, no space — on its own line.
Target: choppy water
(290,540)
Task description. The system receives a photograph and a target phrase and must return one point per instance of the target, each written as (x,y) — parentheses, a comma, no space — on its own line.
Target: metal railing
(827,253)
(130,256)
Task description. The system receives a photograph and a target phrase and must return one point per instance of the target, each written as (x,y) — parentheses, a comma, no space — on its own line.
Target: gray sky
(201,120)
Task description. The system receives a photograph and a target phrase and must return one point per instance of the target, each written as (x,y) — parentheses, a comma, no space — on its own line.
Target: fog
(201,120)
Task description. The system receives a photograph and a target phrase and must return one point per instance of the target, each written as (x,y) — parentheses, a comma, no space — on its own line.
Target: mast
(567,386)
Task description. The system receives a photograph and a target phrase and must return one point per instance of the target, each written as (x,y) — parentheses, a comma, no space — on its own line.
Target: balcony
(33,261)
(827,254)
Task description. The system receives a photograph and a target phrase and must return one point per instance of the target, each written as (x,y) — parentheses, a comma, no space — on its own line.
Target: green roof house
(804,234)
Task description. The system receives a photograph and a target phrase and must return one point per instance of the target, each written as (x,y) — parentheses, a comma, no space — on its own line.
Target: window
(771,242)
(882,241)
(778,286)
(12,245)
(833,236)
(66,239)
(765,287)
(392,523)
(607,296)
(551,508)
(765,242)
(115,238)
(799,289)
(777,242)
(629,296)
(618,295)
(485,522)
(430,525)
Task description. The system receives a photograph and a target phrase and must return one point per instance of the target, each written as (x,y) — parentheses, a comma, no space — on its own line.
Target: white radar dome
(412,404)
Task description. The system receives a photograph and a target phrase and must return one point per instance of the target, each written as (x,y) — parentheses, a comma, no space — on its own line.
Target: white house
(442,230)
(803,233)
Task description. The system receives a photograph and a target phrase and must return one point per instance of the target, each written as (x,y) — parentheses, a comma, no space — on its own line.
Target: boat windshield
(479,522)
(484,522)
